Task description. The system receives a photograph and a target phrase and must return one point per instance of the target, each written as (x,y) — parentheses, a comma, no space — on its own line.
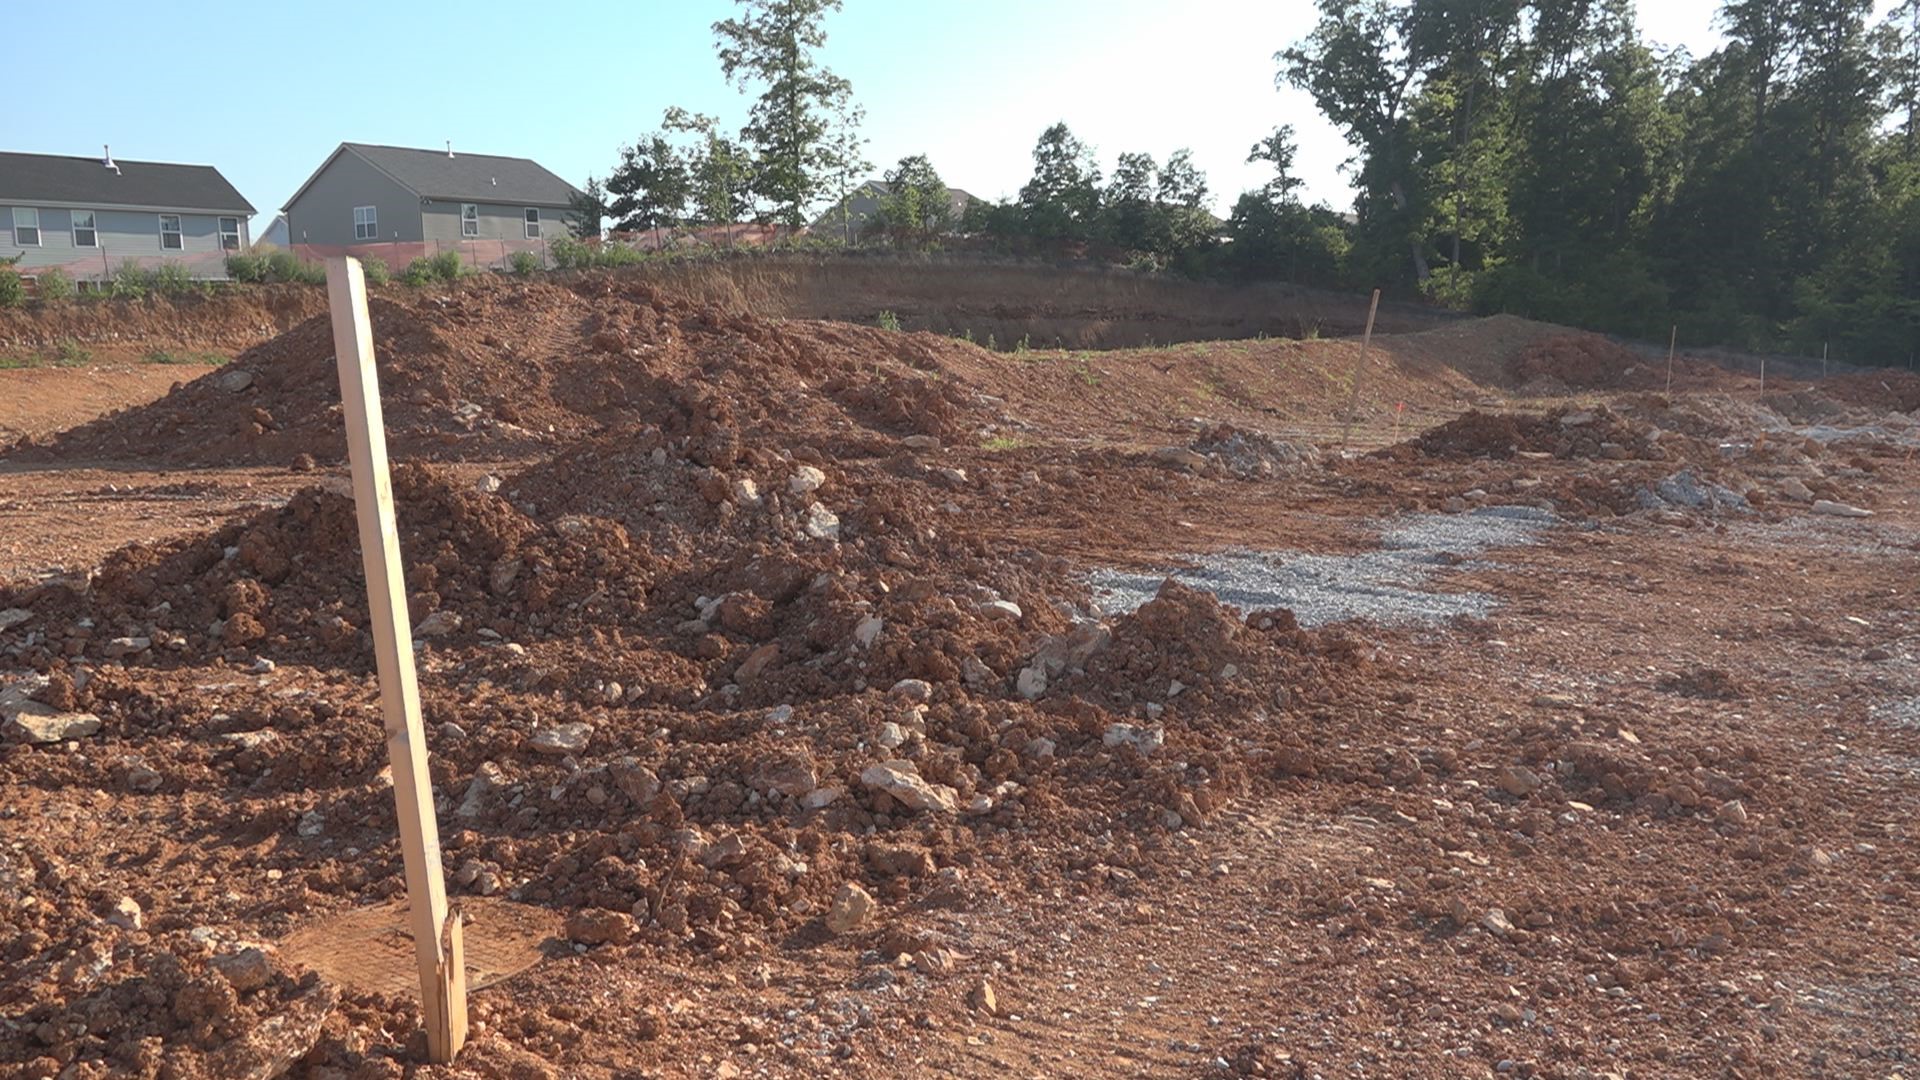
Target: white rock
(635,781)
(1031,682)
(890,736)
(125,646)
(980,804)
(1001,609)
(821,523)
(562,739)
(312,823)
(30,721)
(821,797)
(920,442)
(1144,739)
(852,907)
(867,630)
(806,479)
(127,914)
(438,624)
(899,779)
(1175,689)
(487,780)
(233,380)
(13,616)
(746,492)
(1041,747)
(487,484)
(913,690)
(1839,509)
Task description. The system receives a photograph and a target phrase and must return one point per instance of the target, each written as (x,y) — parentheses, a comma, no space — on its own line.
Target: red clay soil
(770,639)
(225,321)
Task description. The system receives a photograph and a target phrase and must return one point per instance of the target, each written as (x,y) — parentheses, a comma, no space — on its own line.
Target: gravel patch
(1387,585)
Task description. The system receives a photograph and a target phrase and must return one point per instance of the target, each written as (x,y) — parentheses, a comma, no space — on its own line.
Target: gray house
(400,203)
(89,216)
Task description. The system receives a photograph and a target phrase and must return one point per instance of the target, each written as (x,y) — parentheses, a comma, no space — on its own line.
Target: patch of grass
(70,354)
(1085,373)
(889,321)
(164,356)
(1002,442)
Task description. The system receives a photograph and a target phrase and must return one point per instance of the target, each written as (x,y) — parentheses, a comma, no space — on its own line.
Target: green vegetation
(523,263)
(442,267)
(282,267)
(889,321)
(1002,442)
(376,271)
(53,285)
(13,291)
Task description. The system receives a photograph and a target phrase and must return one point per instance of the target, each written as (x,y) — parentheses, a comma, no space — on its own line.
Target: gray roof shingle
(31,178)
(477,177)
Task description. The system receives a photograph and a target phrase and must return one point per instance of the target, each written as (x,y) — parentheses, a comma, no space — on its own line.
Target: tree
(917,205)
(1278,149)
(1062,200)
(1131,218)
(587,211)
(649,187)
(719,170)
(845,161)
(772,46)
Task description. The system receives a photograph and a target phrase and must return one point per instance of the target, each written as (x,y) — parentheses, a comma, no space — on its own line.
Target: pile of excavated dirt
(1889,389)
(507,368)
(1565,432)
(1563,362)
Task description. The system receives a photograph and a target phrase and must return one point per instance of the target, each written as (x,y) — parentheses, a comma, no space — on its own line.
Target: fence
(476,254)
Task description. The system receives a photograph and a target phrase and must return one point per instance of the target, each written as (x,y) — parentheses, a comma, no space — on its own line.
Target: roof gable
(474,177)
(56,178)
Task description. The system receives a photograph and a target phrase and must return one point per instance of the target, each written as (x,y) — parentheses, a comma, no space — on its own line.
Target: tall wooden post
(1353,396)
(1672,340)
(436,939)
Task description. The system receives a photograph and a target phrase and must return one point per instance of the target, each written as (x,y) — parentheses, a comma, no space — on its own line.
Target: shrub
(570,254)
(418,272)
(131,281)
(889,321)
(446,266)
(247,269)
(172,279)
(376,271)
(69,353)
(13,291)
(54,285)
(523,262)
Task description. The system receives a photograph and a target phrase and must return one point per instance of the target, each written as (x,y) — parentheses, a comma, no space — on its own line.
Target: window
(84,233)
(230,234)
(26,226)
(366,223)
(533,223)
(469,219)
(171,238)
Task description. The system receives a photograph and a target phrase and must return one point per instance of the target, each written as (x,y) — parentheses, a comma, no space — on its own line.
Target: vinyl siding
(498,221)
(323,214)
(122,235)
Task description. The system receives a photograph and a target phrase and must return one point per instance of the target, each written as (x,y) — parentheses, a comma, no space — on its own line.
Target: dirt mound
(1890,389)
(498,368)
(1562,433)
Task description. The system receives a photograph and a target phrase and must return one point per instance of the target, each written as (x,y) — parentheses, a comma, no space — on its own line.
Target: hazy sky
(970,84)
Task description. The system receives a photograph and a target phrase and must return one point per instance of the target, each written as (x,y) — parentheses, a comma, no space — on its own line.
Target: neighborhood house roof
(88,181)
(880,189)
(474,177)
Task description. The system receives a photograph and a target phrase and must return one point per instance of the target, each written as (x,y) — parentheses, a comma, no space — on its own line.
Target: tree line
(1540,157)
(1537,157)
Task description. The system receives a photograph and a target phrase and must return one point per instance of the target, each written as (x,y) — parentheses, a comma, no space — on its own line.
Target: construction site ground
(776,701)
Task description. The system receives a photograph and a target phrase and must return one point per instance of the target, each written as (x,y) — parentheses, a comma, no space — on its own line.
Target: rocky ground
(764,670)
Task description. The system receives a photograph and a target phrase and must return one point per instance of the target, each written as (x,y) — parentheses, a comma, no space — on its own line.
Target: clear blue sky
(265,91)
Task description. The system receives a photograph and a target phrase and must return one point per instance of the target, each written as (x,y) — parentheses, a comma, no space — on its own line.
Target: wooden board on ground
(371,950)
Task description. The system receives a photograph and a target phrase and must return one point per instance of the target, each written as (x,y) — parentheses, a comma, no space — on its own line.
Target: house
(863,205)
(275,234)
(89,216)
(400,203)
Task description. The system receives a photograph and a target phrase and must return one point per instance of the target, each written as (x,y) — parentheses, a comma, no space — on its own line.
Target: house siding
(123,236)
(323,214)
(498,222)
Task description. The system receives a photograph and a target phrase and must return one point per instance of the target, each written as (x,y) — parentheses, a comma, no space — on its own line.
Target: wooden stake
(1763,373)
(1353,397)
(1823,358)
(1672,340)
(437,944)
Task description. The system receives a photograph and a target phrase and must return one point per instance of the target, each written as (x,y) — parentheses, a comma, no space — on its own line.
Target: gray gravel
(1386,585)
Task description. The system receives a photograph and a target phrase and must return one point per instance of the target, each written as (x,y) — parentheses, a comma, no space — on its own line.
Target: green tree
(772,46)
(917,205)
(719,169)
(649,187)
(587,211)
(1062,200)
(845,162)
